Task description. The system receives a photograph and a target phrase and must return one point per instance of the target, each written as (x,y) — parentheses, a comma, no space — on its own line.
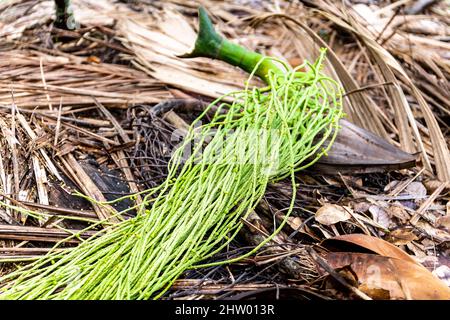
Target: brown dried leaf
(401,236)
(330,214)
(374,244)
(402,279)
(294,222)
(398,211)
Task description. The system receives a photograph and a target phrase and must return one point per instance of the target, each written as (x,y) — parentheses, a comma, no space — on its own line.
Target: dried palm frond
(71,81)
(389,69)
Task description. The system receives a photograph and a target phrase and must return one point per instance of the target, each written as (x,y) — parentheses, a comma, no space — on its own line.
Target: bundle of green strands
(216,178)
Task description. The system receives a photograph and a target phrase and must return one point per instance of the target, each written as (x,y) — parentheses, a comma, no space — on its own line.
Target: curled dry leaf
(356,150)
(392,271)
(402,279)
(330,214)
(370,243)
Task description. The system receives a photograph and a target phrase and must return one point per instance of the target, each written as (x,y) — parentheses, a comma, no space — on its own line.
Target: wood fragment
(84,182)
(119,156)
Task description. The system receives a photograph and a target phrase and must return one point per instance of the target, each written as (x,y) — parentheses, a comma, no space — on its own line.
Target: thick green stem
(210,44)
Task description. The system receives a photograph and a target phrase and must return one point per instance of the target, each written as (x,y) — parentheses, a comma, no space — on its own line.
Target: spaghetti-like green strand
(264,135)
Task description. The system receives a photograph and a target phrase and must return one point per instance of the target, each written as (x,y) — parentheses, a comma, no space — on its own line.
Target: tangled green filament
(266,134)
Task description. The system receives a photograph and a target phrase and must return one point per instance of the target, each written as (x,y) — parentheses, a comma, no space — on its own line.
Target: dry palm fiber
(266,134)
